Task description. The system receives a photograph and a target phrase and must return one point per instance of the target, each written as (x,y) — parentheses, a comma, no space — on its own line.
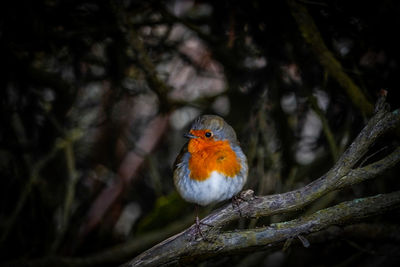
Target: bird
(211,167)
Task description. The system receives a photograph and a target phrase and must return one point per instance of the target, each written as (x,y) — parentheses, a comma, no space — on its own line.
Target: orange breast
(208,156)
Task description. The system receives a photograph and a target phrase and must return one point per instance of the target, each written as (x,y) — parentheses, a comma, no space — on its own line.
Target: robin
(211,166)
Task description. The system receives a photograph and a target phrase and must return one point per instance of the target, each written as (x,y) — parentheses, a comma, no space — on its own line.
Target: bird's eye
(208,134)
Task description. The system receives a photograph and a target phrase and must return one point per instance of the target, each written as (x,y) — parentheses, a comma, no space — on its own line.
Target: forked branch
(183,248)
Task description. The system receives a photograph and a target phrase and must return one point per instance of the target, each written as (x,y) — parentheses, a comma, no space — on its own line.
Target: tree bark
(184,247)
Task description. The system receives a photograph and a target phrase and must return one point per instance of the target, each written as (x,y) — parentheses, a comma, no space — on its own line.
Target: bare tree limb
(296,199)
(266,237)
(183,247)
(342,174)
(370,171)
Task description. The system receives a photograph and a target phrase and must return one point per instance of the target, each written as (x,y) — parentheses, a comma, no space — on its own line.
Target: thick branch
(370,171)
(342,174)
(296,199)
(275,234)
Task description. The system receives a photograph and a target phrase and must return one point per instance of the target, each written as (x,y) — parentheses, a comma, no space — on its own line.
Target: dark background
(95,97)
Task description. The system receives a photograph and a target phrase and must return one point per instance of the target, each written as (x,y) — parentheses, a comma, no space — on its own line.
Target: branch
(342,174)
(297,199)
(183,247)
(271,236)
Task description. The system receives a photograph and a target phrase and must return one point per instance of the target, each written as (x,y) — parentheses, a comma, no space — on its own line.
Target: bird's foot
(236,200)
(198,231)
(241,197)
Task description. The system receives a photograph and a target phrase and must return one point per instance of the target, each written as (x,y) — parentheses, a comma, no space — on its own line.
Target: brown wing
(180,155)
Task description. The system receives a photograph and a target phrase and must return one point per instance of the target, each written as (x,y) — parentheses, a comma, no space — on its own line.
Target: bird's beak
(189,135)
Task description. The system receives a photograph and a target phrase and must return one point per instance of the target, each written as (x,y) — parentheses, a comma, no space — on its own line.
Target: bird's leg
(198,229)
(198,223)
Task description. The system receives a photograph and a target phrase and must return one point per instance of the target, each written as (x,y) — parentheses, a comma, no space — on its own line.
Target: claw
(247,195)
(198,224)
(236,200)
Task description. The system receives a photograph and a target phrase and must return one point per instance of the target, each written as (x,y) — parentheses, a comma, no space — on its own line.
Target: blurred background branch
(312,36)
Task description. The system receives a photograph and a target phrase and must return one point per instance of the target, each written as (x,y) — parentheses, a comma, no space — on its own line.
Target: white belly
(215,189)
